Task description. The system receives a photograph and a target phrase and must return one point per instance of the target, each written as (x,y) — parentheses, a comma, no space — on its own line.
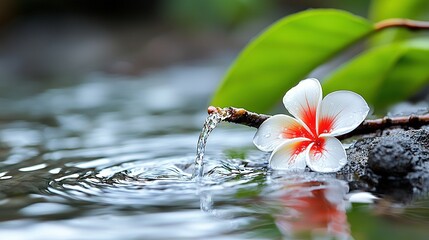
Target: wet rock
(377,162)
(395,155)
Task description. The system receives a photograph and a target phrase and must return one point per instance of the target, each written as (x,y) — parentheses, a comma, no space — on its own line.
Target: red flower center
(298,131)
(319,145)
(326,124)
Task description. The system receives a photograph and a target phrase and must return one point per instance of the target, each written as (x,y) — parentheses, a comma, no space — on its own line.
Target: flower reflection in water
(313,207)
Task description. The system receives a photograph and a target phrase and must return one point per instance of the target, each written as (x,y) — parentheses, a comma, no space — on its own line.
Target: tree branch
(239,116)
(401,22)
(251,119)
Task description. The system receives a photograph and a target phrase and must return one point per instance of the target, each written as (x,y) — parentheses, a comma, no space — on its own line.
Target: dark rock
(394,155)
(393,158)
(357,155)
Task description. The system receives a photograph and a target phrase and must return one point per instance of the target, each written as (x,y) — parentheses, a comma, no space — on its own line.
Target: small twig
(251,119)
(240,116)
(400,22)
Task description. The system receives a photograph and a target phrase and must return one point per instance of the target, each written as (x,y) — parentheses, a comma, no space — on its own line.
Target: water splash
(211,122)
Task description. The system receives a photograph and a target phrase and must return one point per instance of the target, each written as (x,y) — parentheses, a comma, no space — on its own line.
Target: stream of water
(113,158)
(209,125)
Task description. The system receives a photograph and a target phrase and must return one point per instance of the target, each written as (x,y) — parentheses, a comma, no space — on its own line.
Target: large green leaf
(385,9)
(284,54)
(385,74)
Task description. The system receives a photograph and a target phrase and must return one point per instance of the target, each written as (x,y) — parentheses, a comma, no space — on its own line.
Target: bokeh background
(46,41)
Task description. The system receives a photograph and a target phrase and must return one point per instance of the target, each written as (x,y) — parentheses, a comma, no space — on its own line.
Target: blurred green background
(46,41)
(51,40)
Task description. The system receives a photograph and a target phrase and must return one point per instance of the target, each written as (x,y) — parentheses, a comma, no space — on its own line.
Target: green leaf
(385,74)
(385,9)
(285,54)
(365,73)
(409,74)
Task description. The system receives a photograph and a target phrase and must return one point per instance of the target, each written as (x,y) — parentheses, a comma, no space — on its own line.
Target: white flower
(309,138)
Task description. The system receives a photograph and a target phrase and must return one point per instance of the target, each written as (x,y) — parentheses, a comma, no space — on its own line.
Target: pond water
(113,158)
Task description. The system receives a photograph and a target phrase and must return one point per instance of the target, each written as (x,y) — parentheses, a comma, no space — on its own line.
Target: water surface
(112,158)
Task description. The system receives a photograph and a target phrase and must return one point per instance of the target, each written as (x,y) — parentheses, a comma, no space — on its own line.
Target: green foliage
(289,50)
(212,13)
(385,74)
(284,54)
(385,9)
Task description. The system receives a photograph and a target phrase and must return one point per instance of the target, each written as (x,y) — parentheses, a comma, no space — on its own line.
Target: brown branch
(401,22)
(251,119)
(240,116)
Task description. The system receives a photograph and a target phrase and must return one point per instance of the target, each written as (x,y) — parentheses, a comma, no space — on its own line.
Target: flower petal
(326,155)
(303,100)
(341,112)
(290,155)
(277,129)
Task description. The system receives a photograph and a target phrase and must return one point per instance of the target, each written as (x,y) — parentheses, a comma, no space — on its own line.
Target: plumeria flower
(309,138)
